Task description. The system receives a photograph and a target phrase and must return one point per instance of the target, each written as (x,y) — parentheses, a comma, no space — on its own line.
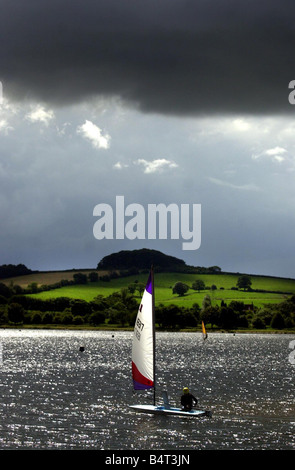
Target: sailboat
(144,357)
(204,332)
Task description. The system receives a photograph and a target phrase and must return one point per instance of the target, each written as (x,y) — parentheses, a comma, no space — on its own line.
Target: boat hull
(162,410)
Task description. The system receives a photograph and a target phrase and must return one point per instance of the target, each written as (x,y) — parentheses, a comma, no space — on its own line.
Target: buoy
(81,348)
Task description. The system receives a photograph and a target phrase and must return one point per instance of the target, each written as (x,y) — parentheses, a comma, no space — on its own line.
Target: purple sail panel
(139,386)
(149,286)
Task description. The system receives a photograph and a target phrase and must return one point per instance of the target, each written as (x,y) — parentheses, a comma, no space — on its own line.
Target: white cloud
(40,114)
(275,153)
(61,130)
(120,166)
(240,124)
(243,187)
(5,127)
(278,158)
(93,133)
(155,165)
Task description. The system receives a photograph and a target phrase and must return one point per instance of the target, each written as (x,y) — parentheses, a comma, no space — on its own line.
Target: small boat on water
(144,357)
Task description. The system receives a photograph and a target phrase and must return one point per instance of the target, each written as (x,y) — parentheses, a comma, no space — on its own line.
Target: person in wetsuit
(187,400)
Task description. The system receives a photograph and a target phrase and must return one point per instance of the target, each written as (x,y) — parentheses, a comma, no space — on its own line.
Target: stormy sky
(169,101)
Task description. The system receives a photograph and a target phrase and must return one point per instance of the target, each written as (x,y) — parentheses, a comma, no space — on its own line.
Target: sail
(143,342)
(204,331)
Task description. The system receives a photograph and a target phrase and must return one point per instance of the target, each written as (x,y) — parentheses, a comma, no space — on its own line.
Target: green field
(281,289)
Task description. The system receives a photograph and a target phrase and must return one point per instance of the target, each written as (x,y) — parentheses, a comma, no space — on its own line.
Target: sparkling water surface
(53,396)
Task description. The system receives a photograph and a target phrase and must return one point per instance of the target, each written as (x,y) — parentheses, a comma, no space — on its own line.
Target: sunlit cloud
(242,187)
(276,154)
(94,134)
(5,127)
(155,166)
(40,114)
(120,166)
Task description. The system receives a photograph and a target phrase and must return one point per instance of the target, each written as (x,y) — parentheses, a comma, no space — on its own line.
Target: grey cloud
(172,57)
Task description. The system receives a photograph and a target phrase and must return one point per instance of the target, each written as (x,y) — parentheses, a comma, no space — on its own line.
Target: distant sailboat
(204,332)
(144,358)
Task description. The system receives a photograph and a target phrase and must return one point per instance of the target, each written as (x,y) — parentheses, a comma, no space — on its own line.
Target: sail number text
(139,324)
(139,327)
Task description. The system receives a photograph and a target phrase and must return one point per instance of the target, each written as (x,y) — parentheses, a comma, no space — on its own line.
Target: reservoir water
(55,396)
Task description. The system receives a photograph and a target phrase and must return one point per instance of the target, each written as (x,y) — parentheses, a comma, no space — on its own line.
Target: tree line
(181,288)
(120,308)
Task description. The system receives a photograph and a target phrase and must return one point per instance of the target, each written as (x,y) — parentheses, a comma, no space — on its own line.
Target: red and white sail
(143,342)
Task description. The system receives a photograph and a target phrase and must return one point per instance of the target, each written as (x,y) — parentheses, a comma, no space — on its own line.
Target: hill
(141,259)
(12,270)
(43,277)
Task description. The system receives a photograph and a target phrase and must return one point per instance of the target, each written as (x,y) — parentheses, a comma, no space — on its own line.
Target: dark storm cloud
(176,56)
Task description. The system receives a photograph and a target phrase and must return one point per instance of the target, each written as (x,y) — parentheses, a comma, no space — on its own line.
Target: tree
(167,316)
(258,323)
(277,321)
(47,319)
(195,310)
(237,306)
(61,303)
(140,288)
(5,290)
(36,318)
(198,285)
(189,318)
(244,282)
(210,314)
(97,318)
(227,318)
(15,313)
(80,278)
(33,287)
(67,317)
(80,307)
(206,302)
(3,300)
(93,276)
(180,288)
(132,288)
(117,314)
(78,320)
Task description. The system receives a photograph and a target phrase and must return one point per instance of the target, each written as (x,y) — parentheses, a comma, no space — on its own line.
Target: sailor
(187,400)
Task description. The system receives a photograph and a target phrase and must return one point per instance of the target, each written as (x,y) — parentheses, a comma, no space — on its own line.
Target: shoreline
(130,329)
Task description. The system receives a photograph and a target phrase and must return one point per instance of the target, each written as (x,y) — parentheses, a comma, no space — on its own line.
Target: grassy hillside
(281,288)
(46,277)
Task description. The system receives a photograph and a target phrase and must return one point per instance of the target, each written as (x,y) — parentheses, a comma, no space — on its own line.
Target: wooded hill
(144,258)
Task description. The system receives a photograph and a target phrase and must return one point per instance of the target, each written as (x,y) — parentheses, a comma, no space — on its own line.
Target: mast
(154,332)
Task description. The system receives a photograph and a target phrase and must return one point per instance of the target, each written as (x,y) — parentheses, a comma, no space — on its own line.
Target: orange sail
(205,336)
